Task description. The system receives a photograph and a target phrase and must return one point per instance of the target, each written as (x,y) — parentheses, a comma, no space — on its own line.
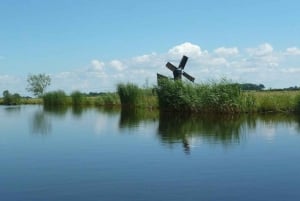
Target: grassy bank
(223,97)
(214,97)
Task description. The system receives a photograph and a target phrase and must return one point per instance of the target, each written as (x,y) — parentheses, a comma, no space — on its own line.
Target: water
(98,154)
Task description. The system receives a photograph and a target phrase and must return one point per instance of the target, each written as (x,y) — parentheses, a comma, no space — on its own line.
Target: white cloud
(262,50)
(292,51)
(222,51)
(97,65)
(144,58)
(187,48)
(118,65)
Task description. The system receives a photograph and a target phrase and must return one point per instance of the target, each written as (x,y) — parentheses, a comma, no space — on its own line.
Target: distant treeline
(259,87)
(250,86)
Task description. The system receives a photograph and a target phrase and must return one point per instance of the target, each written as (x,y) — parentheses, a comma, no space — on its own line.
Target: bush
(11,99)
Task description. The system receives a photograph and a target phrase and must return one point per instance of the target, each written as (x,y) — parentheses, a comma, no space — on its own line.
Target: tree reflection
(41,123)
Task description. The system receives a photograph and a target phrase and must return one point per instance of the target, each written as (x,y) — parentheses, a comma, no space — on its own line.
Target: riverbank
(215,97)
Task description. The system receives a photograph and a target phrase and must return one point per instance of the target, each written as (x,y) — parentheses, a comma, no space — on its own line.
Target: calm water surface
(105,154)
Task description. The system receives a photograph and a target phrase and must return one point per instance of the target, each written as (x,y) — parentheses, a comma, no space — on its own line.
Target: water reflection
(41,123)
(174,128)
(59,111)
(12,109)
(131,118)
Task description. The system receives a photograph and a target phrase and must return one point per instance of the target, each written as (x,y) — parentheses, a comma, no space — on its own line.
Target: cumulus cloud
(292,51)
(144,58)
(262,50)
(97,65)
(117,65)
(222,51)
(186,49)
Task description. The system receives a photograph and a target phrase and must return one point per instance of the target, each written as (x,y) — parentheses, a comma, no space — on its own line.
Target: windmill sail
(189,77)
(171,66)
(183,62)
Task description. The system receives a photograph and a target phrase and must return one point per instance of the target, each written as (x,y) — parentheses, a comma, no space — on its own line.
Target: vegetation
(250,86)
(38,83)
(11,99)
(213,97)
(223,97)
(78,98)
(55,98)
(129,94)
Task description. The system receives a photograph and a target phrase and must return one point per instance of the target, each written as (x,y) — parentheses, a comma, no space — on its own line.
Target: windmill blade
(171,66)
(189,77)
(183,62)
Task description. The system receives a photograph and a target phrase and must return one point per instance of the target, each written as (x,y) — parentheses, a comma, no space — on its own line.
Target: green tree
(11,99)
(38,83)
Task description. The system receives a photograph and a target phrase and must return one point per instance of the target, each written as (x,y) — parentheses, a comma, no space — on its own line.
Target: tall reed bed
(133,96)
(78,98)
(214,97)
(56,98)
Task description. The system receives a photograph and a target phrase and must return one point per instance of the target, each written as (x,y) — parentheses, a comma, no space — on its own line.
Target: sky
(92,45)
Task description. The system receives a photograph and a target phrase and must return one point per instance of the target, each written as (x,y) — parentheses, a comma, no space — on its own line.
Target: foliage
(129,94)
(11,99)
(222,97)
(250,86)
(55,98)
(38,83)
(297,103)
(78,98)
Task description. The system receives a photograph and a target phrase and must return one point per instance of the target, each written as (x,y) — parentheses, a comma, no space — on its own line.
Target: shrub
(11,99)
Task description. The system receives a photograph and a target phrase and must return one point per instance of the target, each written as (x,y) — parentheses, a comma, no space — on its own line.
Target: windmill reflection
(226,130)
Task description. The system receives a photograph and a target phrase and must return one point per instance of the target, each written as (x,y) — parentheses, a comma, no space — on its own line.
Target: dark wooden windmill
(178,71)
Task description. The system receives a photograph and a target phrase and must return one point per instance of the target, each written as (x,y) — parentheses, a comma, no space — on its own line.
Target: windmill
(178,71)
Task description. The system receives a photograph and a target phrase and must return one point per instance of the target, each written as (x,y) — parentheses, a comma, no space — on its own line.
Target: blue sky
(91,45)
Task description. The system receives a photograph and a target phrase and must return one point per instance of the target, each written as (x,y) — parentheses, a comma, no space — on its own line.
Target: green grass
(223,97)
(213,97)
(276,101)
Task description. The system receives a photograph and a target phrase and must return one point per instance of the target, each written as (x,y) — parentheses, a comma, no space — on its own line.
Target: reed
(78,98)
(56,98)
(129,94)
(217,97)
(108,99)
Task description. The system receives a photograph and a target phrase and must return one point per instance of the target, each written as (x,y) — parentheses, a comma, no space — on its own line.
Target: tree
(11,99)
(38,83)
